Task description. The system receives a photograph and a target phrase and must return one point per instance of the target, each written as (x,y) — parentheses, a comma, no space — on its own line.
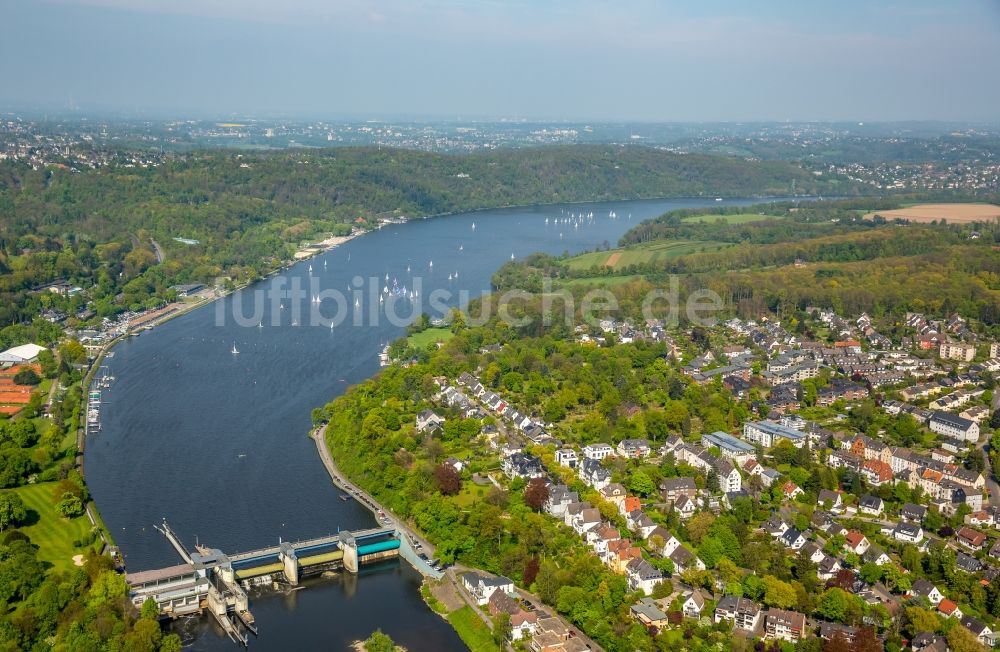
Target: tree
(642,484)
(865,640)
(871,572)
(833,605)
(778,594)
(379,642)
(448,480)
(27,376)
(12,510)
(962,640)
(698,526)
(150,609)
(69,505)
(530,571)
(536,493)
(501,629)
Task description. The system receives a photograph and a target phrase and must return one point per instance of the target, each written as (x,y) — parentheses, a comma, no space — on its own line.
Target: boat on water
(235,350)
(345,497)
(718,199)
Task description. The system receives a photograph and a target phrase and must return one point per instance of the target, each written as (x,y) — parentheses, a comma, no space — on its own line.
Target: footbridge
(211,580)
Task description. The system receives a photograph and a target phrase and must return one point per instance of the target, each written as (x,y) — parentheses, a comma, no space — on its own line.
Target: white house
(598,451)
(566,457)
(481,587)
(952,425)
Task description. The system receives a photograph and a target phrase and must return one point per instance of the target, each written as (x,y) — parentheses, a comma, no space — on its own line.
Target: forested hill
(248,210)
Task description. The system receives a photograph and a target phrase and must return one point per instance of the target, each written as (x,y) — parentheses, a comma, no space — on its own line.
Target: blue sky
(550,59)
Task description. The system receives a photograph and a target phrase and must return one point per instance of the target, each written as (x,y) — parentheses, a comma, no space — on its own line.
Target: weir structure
(210,580)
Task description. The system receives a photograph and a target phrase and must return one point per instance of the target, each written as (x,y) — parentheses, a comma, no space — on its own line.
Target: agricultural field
(739,218)
(642,254)
(954,213)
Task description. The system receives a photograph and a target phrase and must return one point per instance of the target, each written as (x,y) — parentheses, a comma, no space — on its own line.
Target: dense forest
(243,214)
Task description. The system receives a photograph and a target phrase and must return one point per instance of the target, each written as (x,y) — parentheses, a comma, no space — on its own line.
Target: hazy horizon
(552,60)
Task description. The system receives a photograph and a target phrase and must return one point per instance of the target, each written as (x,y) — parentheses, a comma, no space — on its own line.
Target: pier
(211,580)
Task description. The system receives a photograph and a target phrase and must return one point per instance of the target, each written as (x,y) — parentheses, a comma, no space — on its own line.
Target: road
(160,256)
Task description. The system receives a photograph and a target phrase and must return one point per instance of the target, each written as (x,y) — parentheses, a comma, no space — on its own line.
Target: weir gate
(211,580)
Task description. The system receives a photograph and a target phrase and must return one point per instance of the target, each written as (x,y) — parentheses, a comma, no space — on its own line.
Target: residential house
(566,457)
(875,555)
(949,609)
(856,542)
(523,465)
(913,513)
(830,499)
(633,448)
(429,421)
(971,539)
(693,604)
(871,505)
(982,631)
(951,425)
(926,589)
(729,447)
(957,351)
(769,433)
(793,538)
(642,576)
(592,473)
(785,625)
(481,587)
(743,612)
(908,533)
(649,613)
(614,493)
(673,488)
(876,472)
(598,451)
(523,625)
(791,490)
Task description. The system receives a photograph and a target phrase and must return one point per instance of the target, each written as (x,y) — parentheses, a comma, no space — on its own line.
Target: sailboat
(324,264)
(310,267)
(431,264)
(357,303)
(235,351)
(456,275)
(461,247)
(260,324)
(331,326)
(449,277)
(473,226)
(512,256)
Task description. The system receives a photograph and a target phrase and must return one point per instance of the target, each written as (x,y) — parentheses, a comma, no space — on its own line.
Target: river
(216,442)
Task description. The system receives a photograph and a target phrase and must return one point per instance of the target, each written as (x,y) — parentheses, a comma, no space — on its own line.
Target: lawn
(738,218)
(53,534)
(646,253)
(429,336)
(472,630)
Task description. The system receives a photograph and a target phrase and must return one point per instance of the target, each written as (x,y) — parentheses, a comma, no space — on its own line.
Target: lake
(216,442)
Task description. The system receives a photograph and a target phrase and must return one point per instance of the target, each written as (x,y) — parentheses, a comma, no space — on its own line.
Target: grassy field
(473,630)
(602,280)
(651,252)
(53,534)
(429,336)
(739,218)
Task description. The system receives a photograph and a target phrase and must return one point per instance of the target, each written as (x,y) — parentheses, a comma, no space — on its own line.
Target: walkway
(319,436)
